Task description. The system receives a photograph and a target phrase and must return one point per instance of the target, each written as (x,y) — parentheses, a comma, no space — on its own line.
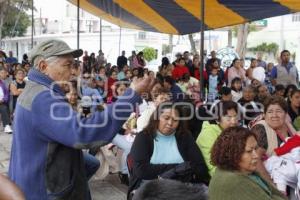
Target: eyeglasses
(235,118)
(86,77)
(275,111)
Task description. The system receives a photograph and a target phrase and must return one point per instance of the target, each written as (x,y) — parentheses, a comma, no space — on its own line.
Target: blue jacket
(177,94)
(46,160)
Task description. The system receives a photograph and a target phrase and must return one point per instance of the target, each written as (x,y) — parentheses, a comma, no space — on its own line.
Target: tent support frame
(201,82)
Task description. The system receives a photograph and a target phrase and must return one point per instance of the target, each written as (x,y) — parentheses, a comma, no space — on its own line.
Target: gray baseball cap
(53,47)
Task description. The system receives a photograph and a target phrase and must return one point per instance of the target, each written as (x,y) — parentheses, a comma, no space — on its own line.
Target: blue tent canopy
(184,16)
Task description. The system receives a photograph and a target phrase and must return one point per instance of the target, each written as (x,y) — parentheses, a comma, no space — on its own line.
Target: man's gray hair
(38,59)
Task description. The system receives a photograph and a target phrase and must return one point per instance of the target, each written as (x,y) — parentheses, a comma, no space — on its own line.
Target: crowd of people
(215,145)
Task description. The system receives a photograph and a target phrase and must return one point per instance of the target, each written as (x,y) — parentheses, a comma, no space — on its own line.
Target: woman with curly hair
(235,177)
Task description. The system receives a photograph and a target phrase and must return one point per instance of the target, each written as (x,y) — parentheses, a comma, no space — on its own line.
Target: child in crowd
(109,85)
(236,89)
(268,77)
(213,83)
(279,90)
(162,95)
(180,70)
(225,94)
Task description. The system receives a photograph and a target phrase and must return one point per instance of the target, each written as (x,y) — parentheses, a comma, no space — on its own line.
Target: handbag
(182,172)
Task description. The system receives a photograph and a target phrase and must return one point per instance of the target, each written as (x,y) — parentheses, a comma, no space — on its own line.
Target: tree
(242,35)
(241,32)
(229,38)
(193,44)
(149,53)
(12,11)
(267,48)
(168,48)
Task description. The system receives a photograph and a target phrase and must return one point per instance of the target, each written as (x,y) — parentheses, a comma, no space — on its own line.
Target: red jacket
(197,74)
(179,71)
(110,83)
(293,142)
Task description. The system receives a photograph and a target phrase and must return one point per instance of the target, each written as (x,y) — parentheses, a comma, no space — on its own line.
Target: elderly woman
(163,145)
(272,130)
(236,162)
(227,116)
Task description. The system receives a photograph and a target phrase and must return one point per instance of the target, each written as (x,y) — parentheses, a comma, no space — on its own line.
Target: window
(296,17)
(68,10)
(142,35)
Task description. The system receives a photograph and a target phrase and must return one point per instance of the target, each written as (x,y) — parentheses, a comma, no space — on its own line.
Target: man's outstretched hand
(142,85)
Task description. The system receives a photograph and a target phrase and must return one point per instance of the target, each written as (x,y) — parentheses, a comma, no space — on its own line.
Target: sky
(49,8)
(52,9)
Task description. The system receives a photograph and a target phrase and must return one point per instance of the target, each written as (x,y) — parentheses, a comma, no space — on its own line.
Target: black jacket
(141,153)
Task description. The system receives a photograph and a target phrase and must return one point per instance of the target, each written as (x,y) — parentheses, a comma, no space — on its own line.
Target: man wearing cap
(46,160)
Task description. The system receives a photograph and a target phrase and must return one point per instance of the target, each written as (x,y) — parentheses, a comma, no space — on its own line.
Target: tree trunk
(1,22)
(229,38)
(193,44)
(242,35)
(170,43)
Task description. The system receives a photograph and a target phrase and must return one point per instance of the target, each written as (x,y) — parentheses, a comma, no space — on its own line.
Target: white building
(283,30)
(58,19)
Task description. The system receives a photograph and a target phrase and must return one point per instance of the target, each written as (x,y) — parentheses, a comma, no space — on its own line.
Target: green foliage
(9,23)
(13,11)
(234,29)
(293,55)
(166,49)
(264,47)
(149,53)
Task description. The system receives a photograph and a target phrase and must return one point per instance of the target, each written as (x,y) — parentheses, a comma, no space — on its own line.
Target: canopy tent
(183,16)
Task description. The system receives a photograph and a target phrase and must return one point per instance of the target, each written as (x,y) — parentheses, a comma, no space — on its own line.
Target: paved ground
(108,189)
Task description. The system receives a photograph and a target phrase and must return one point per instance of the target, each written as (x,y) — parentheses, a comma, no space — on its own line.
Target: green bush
(149,53)
(264,47)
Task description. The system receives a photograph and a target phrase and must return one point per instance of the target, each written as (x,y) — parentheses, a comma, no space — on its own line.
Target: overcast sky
(50,8)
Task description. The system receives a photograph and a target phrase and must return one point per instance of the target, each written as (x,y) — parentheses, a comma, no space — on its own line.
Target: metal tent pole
(32,22)
(120,34)
(78,24)
(202,89)
(100,34)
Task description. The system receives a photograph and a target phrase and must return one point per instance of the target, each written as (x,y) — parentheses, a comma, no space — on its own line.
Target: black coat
(141,153)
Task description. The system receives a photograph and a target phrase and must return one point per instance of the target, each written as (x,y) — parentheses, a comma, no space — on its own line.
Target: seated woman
(227,116)
(164,144)
(294,108)
(250,108)
(236,162)
(272,130)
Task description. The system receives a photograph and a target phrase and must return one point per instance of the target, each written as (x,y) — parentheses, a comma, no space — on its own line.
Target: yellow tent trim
(145,13)
(291,4)
(216,14)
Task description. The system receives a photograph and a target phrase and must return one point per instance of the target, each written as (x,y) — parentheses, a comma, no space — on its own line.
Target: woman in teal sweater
(165,145)
(235,155)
